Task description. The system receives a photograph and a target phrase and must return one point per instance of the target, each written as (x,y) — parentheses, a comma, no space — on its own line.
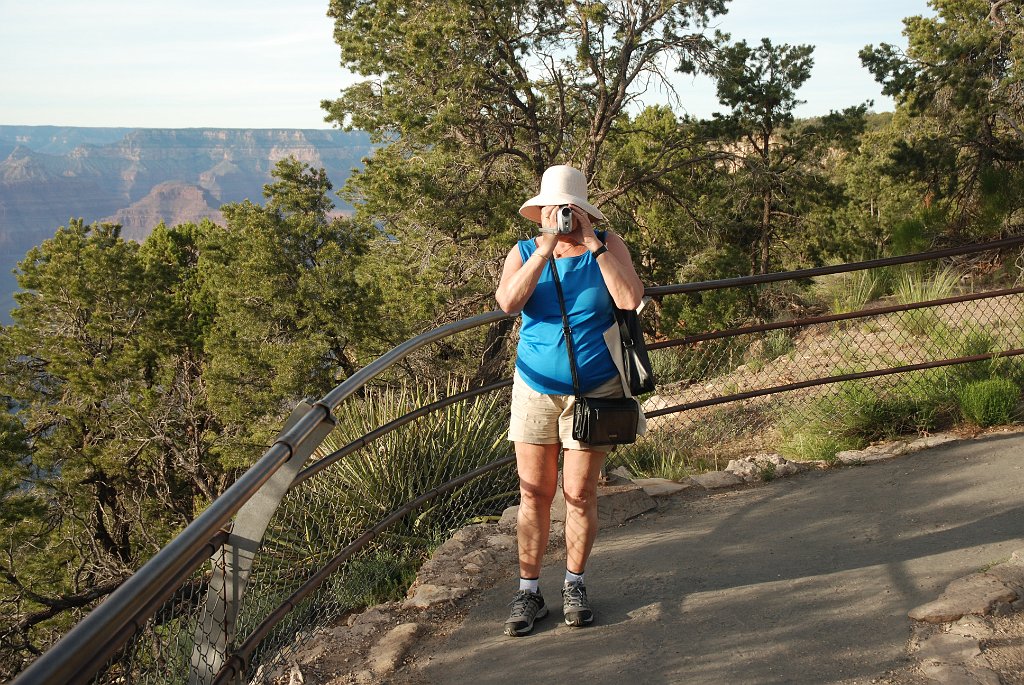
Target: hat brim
(531,208)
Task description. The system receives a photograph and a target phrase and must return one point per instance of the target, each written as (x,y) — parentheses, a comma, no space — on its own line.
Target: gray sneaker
(575,605)
(527,607)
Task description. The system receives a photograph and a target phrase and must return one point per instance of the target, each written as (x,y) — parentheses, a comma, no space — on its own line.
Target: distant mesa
(172,203)
(140,177)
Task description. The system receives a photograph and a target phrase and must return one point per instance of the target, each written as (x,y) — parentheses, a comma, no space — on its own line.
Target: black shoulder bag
(596,420)
(636,364)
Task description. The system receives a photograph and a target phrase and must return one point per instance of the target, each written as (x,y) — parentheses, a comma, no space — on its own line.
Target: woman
(594,275)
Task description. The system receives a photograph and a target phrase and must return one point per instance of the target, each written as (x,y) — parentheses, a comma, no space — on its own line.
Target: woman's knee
(536,495)
(580,496)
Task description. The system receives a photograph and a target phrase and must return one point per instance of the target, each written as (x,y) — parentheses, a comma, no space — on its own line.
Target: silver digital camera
(563,224)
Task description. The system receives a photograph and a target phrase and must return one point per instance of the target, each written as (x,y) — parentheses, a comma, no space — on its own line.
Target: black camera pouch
(605,420)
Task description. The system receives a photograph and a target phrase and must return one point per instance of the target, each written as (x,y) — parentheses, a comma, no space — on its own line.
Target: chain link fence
(852,358)
(811,386)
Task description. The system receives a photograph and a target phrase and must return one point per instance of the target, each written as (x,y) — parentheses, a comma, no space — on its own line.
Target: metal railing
(345,502)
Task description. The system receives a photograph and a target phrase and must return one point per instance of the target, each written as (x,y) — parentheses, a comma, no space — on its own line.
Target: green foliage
(471,102)
(773,345)
(989,402)
(295,314)
(414,459)
(813,444)
(856,413)
(960,76)
(111,449)
(18,504)
(850,291)
(780,164)
(915,285)
(710,309)
(657,456)
(383,575)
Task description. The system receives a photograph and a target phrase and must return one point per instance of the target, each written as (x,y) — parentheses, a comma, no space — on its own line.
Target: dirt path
(805,580)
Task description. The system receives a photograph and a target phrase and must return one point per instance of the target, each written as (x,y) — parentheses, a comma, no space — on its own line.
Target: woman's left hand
(582,222)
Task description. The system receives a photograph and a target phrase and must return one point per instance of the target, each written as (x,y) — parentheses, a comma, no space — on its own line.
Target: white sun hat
(560,185)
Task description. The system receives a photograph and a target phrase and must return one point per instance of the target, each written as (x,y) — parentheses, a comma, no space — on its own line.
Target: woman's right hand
(546,241)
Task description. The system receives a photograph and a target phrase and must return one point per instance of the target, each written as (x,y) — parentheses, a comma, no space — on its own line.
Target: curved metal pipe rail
(83,650)
(238,661)
(78,655)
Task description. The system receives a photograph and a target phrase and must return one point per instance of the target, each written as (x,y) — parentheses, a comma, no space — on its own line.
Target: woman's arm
(518,279)
(625,286)
(616,268)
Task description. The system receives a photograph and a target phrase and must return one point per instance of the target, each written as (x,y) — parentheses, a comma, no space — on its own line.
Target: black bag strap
(566,330)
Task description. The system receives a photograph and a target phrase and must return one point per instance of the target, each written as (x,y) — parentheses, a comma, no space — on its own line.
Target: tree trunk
(494,362)
(766,230)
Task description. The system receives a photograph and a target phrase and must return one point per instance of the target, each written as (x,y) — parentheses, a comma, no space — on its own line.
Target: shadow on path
(804,580)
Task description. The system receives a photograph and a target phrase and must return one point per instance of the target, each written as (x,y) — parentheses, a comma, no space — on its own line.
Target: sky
(268,64)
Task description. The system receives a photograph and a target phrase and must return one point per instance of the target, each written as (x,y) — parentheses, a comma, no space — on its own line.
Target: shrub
(989,402)
(849,292)
(813,445)
(916,286)
(860,412)
(773,345)
(656,455)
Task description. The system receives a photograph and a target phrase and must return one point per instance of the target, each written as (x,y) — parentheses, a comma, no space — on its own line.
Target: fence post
(215,629)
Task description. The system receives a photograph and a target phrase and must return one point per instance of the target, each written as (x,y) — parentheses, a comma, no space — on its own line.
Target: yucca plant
(326,513)
(914,285)
(422,455)
(851,291)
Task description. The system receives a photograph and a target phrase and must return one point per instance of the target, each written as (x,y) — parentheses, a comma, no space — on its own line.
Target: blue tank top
(541,358)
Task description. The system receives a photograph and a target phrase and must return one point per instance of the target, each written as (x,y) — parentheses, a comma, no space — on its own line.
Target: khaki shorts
(541,419)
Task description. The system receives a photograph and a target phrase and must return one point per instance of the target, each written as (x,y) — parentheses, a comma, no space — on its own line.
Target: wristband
(600,251)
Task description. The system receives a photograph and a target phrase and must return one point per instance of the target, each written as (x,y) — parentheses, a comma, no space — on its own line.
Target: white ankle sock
(571,577)
(531,584)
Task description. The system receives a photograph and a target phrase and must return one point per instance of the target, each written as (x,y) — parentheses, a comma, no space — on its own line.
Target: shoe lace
(521,602)
(575,595)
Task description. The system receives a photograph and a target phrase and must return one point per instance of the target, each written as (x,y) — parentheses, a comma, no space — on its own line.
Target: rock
(621,472)
(932,441)
(958,674)
(1010,574)
(371,616)
(295,676)
(427,595)
(457,544)
(717,479)
(948,648)
(619,503)
(974,627)
(762,467)
(501,542)
(978,593)
(392,648)
(479,558)
(662,487)
(508,518)
(881,452)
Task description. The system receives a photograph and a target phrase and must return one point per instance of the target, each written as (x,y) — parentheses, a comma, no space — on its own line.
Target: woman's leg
(538,479)
(581,470)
